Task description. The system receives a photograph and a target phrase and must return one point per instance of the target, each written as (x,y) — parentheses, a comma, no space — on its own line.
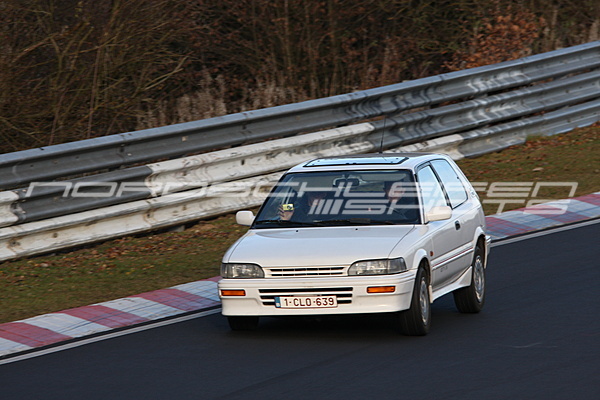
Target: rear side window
(431,190)
(452,184)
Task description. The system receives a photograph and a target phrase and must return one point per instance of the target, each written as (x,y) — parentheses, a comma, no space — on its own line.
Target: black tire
(243,323)
(417,319)
(472,298)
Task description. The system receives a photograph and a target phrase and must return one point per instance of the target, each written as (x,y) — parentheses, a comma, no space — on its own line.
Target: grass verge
(131,265)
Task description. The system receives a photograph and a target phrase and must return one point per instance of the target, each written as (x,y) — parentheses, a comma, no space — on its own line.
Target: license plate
(306,302)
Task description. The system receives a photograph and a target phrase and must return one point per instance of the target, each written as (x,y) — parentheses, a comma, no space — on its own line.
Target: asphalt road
(538,337)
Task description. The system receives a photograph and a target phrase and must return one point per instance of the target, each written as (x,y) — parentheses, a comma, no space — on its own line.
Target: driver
(403,200)
(300,210)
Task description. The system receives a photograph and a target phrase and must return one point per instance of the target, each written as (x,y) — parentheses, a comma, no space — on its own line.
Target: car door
(463,217)
(443,234)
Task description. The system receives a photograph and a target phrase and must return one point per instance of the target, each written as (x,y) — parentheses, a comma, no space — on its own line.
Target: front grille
(343,294)
(304,271)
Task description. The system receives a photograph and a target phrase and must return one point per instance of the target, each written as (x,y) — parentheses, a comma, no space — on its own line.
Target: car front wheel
(416,320)
(472,298)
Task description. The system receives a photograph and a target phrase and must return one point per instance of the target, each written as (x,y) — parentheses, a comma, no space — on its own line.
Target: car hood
(316,246)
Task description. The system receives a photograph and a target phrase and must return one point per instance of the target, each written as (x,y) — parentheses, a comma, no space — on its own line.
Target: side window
(452,183)
(431,190)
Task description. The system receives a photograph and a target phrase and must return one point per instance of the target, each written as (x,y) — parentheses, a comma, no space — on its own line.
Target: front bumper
(351,292)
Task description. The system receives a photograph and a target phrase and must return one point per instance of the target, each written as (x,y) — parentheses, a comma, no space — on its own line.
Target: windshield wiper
(349,221)
(340,222)
(285,222)
(358,221)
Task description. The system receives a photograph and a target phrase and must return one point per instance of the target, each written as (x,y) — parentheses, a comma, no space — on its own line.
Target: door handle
(457,225)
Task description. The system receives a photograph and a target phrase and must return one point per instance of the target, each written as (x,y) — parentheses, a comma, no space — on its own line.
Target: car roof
(366,161)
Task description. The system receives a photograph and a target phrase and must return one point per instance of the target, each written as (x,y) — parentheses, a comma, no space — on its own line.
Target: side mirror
(245,218)
(438,213)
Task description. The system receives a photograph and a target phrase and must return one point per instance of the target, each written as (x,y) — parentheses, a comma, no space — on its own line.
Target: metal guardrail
(472,114)
(176,191)
(117,151)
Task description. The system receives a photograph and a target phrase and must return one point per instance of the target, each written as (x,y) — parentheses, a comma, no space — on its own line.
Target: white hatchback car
(375,233)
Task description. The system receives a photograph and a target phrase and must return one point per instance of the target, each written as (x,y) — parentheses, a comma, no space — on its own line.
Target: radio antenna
(382,133)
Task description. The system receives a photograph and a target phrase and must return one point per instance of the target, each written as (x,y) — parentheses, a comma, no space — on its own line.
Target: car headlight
(378,267)
(241,271)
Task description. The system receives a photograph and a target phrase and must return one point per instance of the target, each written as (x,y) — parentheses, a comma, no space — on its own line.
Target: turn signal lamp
(233,292)
(381,289)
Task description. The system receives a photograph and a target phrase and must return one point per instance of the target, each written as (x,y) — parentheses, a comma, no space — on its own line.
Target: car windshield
(341,198)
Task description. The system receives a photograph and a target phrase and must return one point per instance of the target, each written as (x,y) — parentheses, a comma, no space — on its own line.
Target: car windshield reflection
(341,198)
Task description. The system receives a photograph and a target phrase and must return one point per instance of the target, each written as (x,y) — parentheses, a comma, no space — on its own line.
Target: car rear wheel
(417,319)
(243,323)
(472,298)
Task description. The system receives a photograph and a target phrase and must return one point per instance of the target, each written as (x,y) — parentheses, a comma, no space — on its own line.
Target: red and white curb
(78,322)
(49,329)
(543,216)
